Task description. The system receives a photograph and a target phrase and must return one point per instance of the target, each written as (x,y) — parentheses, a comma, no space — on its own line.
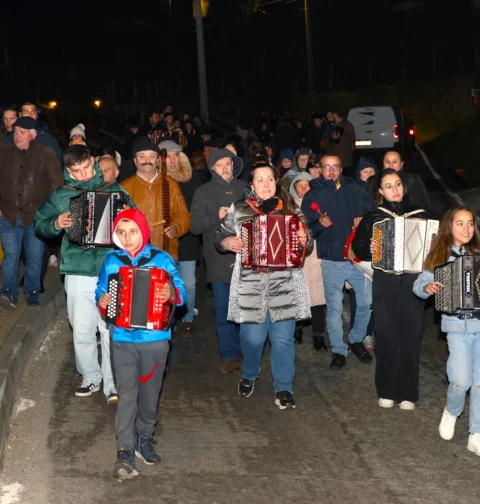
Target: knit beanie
(79,129)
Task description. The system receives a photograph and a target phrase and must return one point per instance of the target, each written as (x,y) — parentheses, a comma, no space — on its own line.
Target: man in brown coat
(29,173)
(159,197)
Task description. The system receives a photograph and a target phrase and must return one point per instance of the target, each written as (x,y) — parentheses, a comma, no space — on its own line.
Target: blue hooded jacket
(113,263)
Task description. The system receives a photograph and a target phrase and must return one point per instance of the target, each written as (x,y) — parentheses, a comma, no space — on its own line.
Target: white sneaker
(407,405)
(474,443)
(195,312)
(53,261)
(385,403)
(447,425)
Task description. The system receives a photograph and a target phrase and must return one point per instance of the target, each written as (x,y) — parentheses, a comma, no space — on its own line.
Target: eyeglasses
(390,187)
(331,167)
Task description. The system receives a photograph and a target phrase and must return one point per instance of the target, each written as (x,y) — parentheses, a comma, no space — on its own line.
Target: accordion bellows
(272,242)
(93,213)
(461,280)
(134,299)
(403,244)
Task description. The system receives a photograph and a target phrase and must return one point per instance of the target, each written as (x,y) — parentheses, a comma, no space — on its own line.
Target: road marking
(439,179)
(11,493)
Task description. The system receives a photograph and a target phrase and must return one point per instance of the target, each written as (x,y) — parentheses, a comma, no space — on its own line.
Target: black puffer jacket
(361,242)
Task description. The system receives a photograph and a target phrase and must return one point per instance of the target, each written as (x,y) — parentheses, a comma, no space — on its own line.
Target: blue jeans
(187,272)
(12,237)
(335,274)
(228,333)
(281,334)
(463,369)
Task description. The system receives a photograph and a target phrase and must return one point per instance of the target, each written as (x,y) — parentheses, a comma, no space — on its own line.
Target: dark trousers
(318,320)
(139,371)
(398,316)
(353,309)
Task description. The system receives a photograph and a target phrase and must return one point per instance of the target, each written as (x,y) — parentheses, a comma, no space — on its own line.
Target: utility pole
(202,69)
(311,70)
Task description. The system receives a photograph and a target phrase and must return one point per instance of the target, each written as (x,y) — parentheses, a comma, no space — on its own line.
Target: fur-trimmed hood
(184,173)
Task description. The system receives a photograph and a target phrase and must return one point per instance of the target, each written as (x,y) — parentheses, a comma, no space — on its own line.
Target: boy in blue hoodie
(139,355)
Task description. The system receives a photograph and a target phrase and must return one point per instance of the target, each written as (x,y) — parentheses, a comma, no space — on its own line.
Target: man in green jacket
(81,266)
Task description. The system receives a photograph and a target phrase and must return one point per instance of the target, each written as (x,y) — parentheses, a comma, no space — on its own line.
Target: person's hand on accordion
(165,293)
(105,300)
(64,220)
(433,288)
(302,236)
(233,243)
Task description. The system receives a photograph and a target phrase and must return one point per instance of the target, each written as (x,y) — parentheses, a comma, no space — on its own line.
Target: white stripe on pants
(84,318)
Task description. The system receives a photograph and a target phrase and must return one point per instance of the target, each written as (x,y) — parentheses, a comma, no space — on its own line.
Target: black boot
(299,335)
(319,343)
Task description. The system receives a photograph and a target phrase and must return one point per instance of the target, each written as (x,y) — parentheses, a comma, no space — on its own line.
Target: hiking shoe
(228,366)
(145,451)
(447,425)
(33,299)
(246,387)
(338,361)
(124,467)
(284,400)
(407,405)
(474,443)
(7,300)
(53,261)
(385,403)
(319,343)
(368,343)
(195,312)
(86,389)
(112,398)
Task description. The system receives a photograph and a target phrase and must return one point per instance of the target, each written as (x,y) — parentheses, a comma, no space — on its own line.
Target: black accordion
(461,279)
(93,213)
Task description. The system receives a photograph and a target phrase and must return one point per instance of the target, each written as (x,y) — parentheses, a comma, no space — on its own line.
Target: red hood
(139,219)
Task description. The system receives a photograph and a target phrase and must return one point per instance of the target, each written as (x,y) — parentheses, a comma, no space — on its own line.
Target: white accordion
(403,244)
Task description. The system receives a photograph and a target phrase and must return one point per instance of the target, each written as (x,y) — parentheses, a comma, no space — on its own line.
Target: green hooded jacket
(75,259)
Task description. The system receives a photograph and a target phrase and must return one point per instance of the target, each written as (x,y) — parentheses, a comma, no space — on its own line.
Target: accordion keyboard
(443,299)
(113,291)
(377,239)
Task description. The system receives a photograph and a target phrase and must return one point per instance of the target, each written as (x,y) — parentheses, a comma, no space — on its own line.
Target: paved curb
(19,346)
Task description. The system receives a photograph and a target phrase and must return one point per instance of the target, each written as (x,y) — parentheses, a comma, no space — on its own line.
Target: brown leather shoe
(228,366)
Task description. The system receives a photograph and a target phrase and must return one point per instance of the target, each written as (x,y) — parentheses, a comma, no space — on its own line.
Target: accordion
(272,243)
(134,299)
(403,244)
(461,280)
(93,213)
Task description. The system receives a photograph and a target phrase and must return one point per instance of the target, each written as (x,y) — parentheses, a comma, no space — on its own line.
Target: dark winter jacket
(27,179)
(205,221)
(75,259)
(342,205)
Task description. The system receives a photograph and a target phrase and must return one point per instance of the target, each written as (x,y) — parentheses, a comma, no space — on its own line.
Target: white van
(382,128)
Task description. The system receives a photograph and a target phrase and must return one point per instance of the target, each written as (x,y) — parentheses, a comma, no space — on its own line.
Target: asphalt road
(338,446)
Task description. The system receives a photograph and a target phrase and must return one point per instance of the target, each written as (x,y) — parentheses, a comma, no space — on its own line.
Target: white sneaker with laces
(447,425)
(407,405)
(474,443)
(385,403)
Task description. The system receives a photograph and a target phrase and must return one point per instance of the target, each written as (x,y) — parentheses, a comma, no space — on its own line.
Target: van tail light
(395,131)
(411,132)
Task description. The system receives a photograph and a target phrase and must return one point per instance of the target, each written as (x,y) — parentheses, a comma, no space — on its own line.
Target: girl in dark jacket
(397,312)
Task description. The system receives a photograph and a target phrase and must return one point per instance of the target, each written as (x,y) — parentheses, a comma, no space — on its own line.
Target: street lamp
(97,103)
(52,104)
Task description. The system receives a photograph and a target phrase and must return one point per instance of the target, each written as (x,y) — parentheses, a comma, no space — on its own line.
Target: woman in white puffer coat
(313,274)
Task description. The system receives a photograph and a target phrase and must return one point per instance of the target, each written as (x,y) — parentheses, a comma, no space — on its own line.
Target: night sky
(74,50)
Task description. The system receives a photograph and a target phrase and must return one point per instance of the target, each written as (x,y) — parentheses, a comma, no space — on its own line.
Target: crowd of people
(188,196)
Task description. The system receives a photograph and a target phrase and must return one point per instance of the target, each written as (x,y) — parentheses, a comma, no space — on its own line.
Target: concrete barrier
(20,344)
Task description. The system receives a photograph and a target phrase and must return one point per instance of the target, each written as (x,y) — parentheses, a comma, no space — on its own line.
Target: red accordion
(272,243)
(134,299)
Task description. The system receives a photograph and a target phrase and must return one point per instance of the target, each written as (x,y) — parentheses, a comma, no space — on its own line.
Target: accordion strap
(409,214)
(142,262)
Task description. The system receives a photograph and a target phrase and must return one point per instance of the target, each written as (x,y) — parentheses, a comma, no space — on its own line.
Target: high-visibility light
(411,132)
(395,131)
